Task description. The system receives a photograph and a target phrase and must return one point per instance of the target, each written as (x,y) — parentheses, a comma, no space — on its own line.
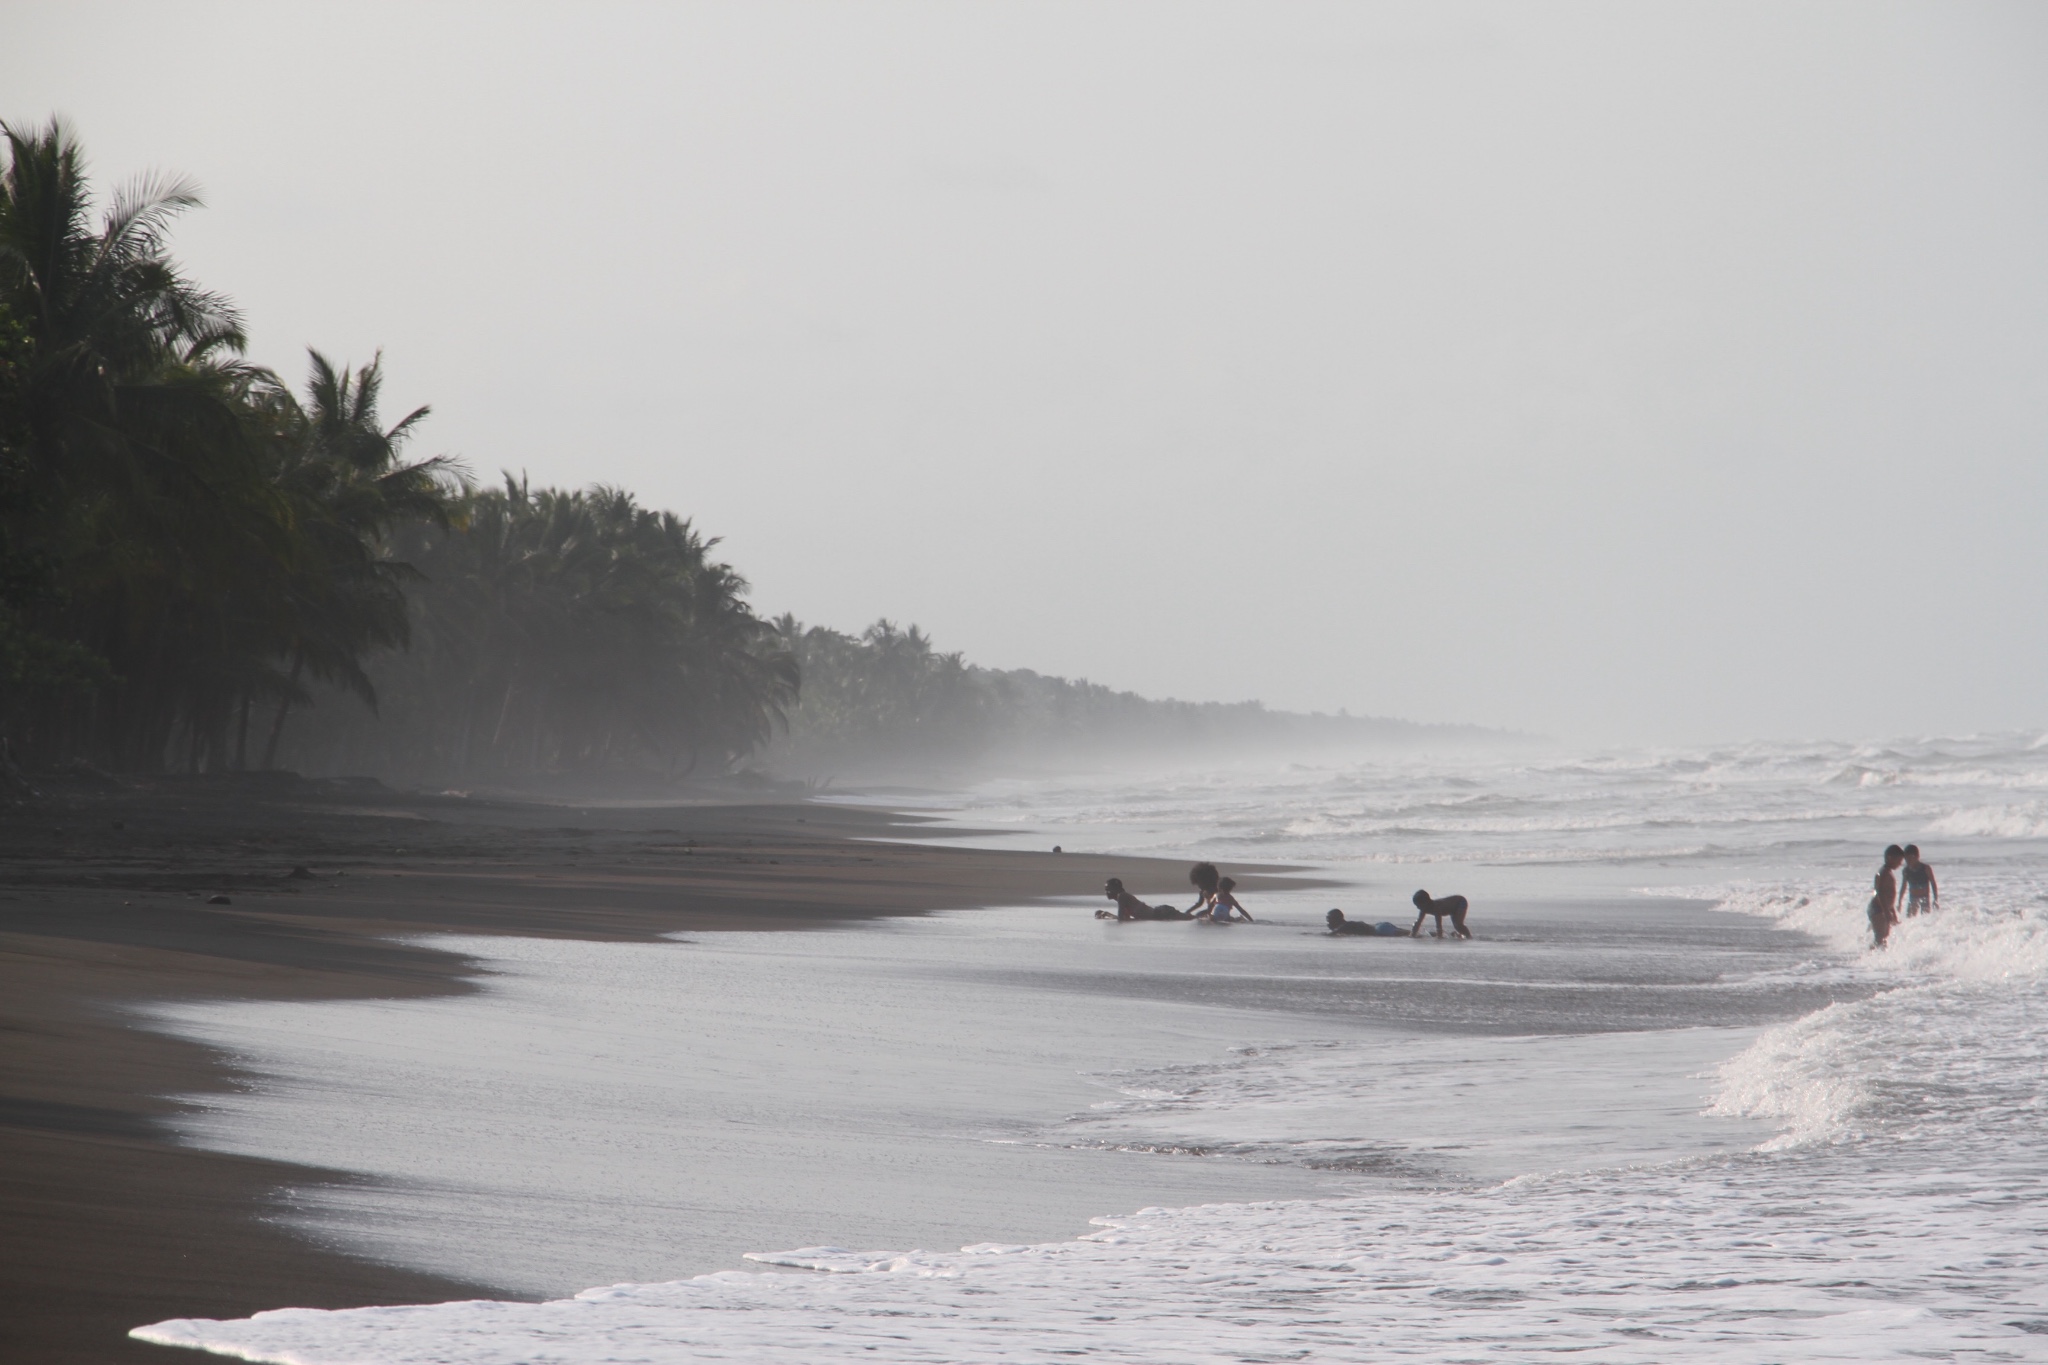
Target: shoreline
(106,904)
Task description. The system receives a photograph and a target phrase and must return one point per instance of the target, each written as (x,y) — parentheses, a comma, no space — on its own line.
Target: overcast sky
(1615,371)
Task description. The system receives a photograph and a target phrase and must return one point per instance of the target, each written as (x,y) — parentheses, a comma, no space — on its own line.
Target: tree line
(556,632)
(193,553)
(203,568)
(888,702)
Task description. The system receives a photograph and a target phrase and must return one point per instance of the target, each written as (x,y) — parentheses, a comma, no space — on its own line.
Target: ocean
(1666,1105)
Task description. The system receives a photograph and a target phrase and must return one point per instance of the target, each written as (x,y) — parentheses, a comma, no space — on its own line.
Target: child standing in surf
(1923,893)
(1884,905)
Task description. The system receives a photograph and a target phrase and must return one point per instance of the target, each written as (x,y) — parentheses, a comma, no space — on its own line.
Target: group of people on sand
(1923,893)
(1215,903)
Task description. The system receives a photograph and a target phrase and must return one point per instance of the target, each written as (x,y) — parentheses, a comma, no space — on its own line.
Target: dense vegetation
(191,552)
(526,686)
(887,702)
(560,632)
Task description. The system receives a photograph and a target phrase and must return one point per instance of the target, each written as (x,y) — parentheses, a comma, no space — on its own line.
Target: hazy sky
(1615,371)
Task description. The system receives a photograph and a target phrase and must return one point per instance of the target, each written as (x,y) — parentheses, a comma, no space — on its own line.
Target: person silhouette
(1129,907)
(1884,904)
(1452,906)
(1341,926)
(1224,907)
(1923,893)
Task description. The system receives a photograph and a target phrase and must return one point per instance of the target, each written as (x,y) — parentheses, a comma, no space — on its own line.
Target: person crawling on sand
(1129,907)
(1453,906)
(1205,878)
(1884,905)
(1339,925)
(1923,893)
(1223,907)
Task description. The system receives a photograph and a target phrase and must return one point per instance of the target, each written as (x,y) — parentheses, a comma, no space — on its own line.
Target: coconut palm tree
(564,631)
(192,535)
(348,485)
(183,540)
(134,479)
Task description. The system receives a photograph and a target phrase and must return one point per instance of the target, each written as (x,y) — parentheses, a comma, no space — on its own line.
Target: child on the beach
(1129,907)
(1884,905)
(1341,926)
(1223,906)
(1923,893)
(1452,907)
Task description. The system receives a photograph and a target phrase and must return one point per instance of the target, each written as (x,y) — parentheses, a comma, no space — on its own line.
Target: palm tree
(348,483)
(134,477)
(195,537)
(557,631)
(887,692)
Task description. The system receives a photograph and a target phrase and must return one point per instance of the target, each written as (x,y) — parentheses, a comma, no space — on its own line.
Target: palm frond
(140,214)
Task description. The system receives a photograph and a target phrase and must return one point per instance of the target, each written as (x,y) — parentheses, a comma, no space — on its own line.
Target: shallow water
(1698,1124)
(608,1111)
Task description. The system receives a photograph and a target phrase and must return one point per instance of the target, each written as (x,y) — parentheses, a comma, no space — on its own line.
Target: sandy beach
(108,901)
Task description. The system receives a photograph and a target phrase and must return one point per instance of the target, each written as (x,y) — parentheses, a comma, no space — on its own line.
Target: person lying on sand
(1223,907)
(1129,907)
(1205,879)
(1454,906)
(1339,925)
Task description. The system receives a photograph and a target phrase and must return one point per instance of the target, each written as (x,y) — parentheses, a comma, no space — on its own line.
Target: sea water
(1666,1106)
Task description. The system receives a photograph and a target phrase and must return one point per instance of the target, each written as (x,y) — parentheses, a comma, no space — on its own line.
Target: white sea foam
(1553,1103)
(1721,1262)
(2025,821)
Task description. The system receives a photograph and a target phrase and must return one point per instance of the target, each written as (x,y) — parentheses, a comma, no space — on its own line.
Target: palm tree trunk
(242,738)
(284,707)
(504,710)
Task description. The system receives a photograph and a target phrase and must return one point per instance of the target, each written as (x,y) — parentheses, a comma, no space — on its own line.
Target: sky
(1627,372)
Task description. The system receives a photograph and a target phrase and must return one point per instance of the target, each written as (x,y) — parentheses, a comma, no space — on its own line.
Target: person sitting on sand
(1923,893)
(1129,907)
(1454,906)
(1884,905)
(1223,907)
(1205,878)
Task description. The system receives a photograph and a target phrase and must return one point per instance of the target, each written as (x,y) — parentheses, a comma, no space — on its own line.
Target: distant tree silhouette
(567,632)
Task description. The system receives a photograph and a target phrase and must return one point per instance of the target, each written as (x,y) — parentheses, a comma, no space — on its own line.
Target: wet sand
(105,902)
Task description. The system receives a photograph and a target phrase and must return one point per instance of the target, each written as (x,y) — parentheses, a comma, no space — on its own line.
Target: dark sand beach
(107,901)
